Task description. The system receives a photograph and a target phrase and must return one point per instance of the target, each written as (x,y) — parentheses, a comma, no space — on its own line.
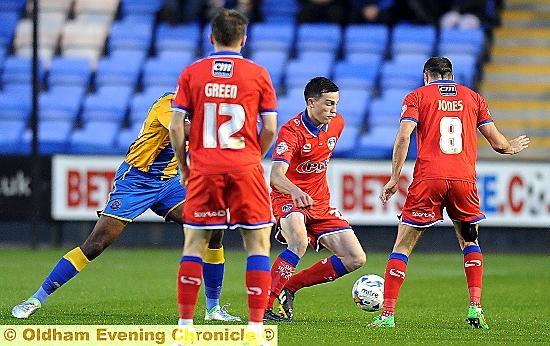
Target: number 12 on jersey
(212,134)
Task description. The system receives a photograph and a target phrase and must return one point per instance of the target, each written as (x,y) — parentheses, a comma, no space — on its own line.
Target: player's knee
(468,231)
(356,261)
(298,246)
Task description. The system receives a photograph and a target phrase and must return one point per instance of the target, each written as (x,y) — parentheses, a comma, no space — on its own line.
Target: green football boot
(476,319)
(383,322)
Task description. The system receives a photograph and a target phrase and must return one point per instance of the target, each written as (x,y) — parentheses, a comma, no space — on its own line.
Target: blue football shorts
(134,192)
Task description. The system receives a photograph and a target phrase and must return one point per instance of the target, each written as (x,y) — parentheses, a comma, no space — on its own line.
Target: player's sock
(258,281)
(68,266)
(281,271)
(326,270)
(473,267)
(189,282)
(213,268)
(393,279)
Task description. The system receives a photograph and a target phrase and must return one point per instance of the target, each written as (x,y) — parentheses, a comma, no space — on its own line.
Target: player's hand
(302,199)
(518,144)
(389,190)
(184,175)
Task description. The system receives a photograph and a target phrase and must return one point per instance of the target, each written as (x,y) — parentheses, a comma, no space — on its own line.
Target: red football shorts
(427,198)
(320,221)
(227,200)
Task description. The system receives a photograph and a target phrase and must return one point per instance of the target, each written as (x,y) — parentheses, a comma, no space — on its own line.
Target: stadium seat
(318,37)
(366,38)
(127,34)
(10,136)
(95,137)
(164,70)
(419,39)
(109,103)
(84,39)
(105,7)
(274,62)
(18,70)
(384,111)
(53,136)
(129,7)
(12,5)
(464,68)
(15,103)
(122,67)
(127,136)
(183,37)
(271,36)
(49,30)
(353,106)
(141,103)
(377,143)
(288,107)
(61,103)
(280,11)
(300,71)
(60,6)
(69,71)
(403,71)
(353,75)
(347,142)
(461,41)
(9,21)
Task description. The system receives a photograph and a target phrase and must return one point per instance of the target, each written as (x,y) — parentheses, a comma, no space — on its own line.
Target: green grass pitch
(139,287)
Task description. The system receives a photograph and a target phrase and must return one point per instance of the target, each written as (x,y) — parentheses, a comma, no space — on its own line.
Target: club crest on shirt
(307,148)
(447,90)
(331,143)
(281,148)
(222,68)
(115,204)
(286,208)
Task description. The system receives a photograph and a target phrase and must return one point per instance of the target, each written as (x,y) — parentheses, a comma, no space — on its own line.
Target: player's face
(324,109)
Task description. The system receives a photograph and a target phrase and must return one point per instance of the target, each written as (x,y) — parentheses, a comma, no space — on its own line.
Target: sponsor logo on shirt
(331,143)
(222,68)
(281,148)
(447,90)
(312,167)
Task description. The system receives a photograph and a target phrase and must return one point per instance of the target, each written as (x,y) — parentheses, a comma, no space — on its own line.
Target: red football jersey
(223,94)
(307,150)
(447,116)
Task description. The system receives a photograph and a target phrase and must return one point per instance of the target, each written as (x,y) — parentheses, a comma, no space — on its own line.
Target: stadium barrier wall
(512,194)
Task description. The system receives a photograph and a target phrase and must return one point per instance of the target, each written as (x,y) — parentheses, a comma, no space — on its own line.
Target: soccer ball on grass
(368,292)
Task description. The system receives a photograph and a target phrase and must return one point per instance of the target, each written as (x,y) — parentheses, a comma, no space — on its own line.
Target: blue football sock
(213,269)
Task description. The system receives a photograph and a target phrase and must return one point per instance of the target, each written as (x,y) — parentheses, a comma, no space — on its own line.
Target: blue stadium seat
(109,103)
(271,36)
(61,103)
(16,102)
(129,7)
(464,68)
(288,107)
(376,144)
(95,137)
(366,38)
(122,67)
(419,39)
(18,70)
(130,35)
(164,70)
(300,71)
(355,75)
(384,111)
(127,136)
(9,21)
(177,37)
(10,136)
(460,41)
(318,37)
(353,106)
(141,103)
(280,11)
(53,136)
(404,71)
(69,71)
(12,5)
(347,142)
(274,62)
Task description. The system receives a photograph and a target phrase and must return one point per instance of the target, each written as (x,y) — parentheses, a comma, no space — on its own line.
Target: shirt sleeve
(268,103)
(285,146)
(409,108)
(483,115)
(182,100)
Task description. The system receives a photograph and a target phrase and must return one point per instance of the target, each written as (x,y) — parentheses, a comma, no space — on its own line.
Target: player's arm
(267,132)
(400,150)
(499,143)
(279,181)
(177,139)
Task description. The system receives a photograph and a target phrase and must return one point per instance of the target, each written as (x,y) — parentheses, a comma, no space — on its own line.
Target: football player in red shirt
(446,116)
(222,95)
(301,200)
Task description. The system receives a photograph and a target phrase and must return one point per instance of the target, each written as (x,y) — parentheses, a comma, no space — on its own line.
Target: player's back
(224,94)
(447,115)
(151,152)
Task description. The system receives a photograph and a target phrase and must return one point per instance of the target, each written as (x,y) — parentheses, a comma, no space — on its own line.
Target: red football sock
(320,272)
(189,282)
(473,267)
(281,272)
(393,279)
(257,285)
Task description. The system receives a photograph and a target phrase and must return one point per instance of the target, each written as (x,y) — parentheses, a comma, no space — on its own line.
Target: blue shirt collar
(439,81)
(309,125)
(225,53)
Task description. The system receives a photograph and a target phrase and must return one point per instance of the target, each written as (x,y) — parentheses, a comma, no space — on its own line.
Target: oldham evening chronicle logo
(222,68)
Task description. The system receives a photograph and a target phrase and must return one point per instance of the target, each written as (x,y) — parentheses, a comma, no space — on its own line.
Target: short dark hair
(439,67)
(318,86)
(228,26)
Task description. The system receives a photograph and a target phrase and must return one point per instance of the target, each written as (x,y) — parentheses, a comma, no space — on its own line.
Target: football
(368,292)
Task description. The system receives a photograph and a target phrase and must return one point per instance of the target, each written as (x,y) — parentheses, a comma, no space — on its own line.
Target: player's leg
(293,230)
(190,272)
(465,211)
(105,232)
